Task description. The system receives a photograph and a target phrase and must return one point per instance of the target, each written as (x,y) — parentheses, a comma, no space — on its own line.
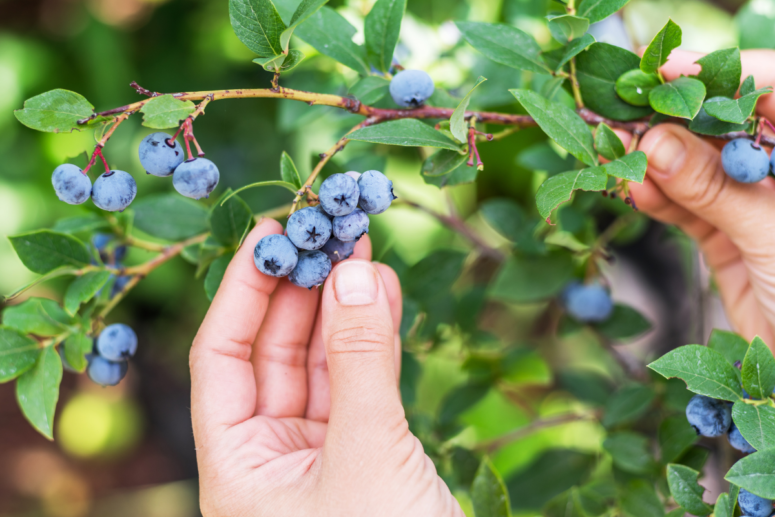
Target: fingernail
(355,283)
(667,155)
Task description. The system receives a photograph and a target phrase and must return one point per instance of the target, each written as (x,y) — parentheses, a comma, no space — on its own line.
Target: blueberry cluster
(587,303)
(316,237)
(115,190)
(745,161)
(411,88)
(112,348)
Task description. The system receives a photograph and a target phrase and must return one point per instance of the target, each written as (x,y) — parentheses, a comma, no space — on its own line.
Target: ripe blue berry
(744,162)
(737,441)
(587,303)
(709,417)
(104,372)
(376,192)
(309,229)
(411,88)
(113,191)
(71,184)
(351,227)
(339,194)
(158,157)
(119,285)
(275,255)
(754,506)
(100,240)
(312,270)
(117,342)
(337,250)
(353,174)
(196,178)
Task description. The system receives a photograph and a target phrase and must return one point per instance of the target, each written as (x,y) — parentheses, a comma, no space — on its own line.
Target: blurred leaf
(630,452)
(607,143)
(695,458)
(661,46)
(542,156)
(552,473)
(411,370)
(39,316)
(558,189)
(370,89)
(504,44)
(635,86)
(488,492)
(411,309)
(704,124)
(627,404)
(44,250)
(404,132)
(434,275)
(574,48)
(37,391)
(675,437)
(215,275)
(442,162)
(83,289)
(258,25)
(566,240)
(755,21)
(759,370)
(567,27)
(704,370)
(330,34)
(575,503)
(529,279)
(624,323)
(228,220)
(735,111)
(77,346)
(81,223)
(305,9)
(165,111)
(596,10)
(755,473)
(505,216)
(170,216)
(288,171)
(457,123)
(586,386)
(756,424)
(721,72)
(17,353)
(381,27)
(465,465)
(461,399)
(680,98)
(55,111)
(685,489)
(461,175)
(640,500)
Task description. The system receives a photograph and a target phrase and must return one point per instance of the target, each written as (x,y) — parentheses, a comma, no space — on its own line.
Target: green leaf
(574,48)
(624,323)
(284,184)
(170,216)
(77,346)
(755,473)
(505,216)
(406,132)
(685,489)
(39,316)
(331,35)
(285,62)
(228,220)
(558,189)
(704,124)
(629,451)
(215,275)
(305,9)
(81,223)
(627,404)
(631,167)
(55,111)
(758,370)
(756,424)
(680,98)
(258,25)
(288,171)
(721,509)
(735,111)
(635,86)
(488,492)
(721,72)
(661,46)
(596,10)
(505,44)
(457,123)
(640,500)
(561,123)
(705,371)
(732,346)
(17,353)
(44,250)
(370,89)
(675,437)
(734,492)
(83,289)
(166,111)
(442,162)
(597,71)
(460,399)
(748,86)
(381,27)
(553,472)
(524,279)
(37,391)
(567,27)
(433,276)
(607,143)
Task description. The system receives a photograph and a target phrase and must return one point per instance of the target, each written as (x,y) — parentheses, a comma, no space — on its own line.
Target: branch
(493,445)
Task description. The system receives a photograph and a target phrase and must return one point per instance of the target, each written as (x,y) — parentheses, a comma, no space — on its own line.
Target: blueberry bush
(565,103)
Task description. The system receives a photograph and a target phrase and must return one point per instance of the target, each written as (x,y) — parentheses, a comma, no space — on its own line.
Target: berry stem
(574,82)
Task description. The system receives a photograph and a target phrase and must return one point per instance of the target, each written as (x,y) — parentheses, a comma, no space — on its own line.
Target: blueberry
(71,184)
(320,209)
(744,162)
(351,227)
(411,88)
(275,255)
(353,174)
(376,192)
(158,157)
(100,240)
(309,229)
(312,270)
(337,250)
(113,191)
(709,417)
(117,342)
(737,441)
(196,178)
(587,302)
(339,194)
(104,372)
(119,285)
(754,506)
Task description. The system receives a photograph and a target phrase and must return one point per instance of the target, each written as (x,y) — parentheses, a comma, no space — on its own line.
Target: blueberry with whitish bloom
(308,229)
(376,192)
(744,161)
(708,416)
(737,441)
(275,255)
(311,270)
(337,250)
(196,178)
(411,88)
(588,303)
(353,174)
(339,194)
(352,226)
(105,372)
(114,191)
(70,184)
(753,505)
(117,342)
(158,157)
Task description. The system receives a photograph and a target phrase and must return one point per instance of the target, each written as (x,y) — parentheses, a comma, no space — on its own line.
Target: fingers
(393,288)
(223,384)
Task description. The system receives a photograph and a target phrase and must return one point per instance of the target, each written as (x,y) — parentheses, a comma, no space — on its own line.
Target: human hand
(295,401)
(733,223)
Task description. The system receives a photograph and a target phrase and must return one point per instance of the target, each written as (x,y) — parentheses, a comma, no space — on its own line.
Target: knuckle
(357,335)
(709,181)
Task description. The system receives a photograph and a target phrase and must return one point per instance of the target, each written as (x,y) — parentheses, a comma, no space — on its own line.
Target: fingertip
(362,248)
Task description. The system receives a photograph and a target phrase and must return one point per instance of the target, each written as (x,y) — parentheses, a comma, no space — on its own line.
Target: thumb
(359,340)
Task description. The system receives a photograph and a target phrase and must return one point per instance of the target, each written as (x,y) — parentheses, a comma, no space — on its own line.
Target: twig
(493,445)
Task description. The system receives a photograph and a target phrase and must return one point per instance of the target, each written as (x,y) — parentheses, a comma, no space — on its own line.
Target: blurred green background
(128,450)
